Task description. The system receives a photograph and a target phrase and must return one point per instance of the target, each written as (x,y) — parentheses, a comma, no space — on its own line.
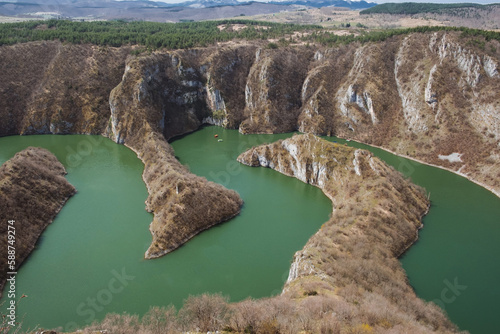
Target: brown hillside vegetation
(352,260)
(49,87)
(32,191)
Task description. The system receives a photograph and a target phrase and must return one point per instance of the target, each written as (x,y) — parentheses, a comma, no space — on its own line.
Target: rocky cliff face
(427,96)
(420,95)
(32,191)
(434,97)
(49,87)
(352,259)
(272,90)
(159,97)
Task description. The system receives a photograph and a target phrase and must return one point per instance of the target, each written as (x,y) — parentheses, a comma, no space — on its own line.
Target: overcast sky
(443,1)
(377,1)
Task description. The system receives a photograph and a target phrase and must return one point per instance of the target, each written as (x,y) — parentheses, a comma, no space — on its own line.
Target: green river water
(90,262)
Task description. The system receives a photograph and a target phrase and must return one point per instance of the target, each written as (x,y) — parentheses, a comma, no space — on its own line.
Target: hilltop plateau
(390,16)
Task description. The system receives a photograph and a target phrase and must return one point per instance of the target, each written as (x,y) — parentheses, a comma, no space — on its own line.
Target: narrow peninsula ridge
(32,192)
(353,258)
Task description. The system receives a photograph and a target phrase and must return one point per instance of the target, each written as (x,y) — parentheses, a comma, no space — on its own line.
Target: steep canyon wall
(425,96)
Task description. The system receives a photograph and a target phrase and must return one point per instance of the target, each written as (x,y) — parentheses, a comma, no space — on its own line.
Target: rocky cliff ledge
(425,96)
(353,257)
(32,191)
(151,103)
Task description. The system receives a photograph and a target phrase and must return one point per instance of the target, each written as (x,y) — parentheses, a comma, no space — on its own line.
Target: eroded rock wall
(426,96)
(420,95)
(50,87)
(161,96)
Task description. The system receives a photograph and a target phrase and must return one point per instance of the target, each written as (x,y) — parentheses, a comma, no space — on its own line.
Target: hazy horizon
(484,2)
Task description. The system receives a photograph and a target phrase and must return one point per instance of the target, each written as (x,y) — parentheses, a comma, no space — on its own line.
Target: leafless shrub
(246,316)
(204,313)
(329,325)
(160,320)
(116,323)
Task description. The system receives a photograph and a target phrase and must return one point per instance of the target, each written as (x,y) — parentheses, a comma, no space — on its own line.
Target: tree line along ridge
(187,35)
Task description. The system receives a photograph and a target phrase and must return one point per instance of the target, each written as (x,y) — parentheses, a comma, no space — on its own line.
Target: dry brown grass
(331,17)
(184,204)
(314,314)
(32,191)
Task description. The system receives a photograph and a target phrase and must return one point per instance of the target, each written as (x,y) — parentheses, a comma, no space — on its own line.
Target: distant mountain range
(308,3)
(160,11)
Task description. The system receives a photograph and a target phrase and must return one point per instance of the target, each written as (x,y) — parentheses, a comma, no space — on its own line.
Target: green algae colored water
(455,263)
(90,260)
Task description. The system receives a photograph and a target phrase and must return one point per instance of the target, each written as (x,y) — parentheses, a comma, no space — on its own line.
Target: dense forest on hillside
(330,39)
(198,34)
(410,8)
(151,34)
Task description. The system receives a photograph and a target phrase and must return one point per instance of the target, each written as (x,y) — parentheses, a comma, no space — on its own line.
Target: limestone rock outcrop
(160,97)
